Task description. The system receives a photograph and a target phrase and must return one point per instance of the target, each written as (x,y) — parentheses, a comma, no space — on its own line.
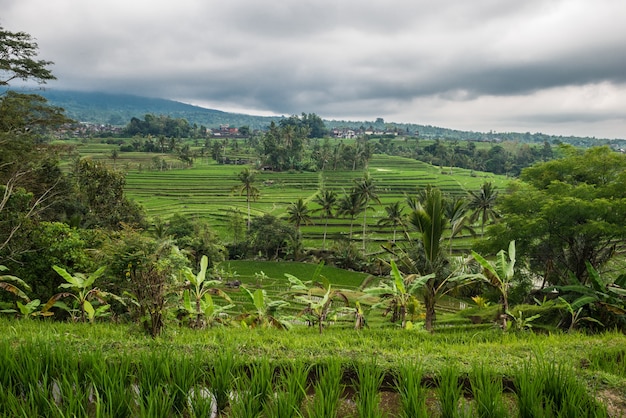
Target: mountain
(118,109)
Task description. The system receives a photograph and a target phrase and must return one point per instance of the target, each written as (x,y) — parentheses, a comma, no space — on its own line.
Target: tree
(298,213)
(394,217)
(101,192)
(270,236)
(247,178)
(29,178)
(18,52)
(366,188)
(326,199)
(482,204)
(565,213)
(317,295)
(351,204)
(265,313)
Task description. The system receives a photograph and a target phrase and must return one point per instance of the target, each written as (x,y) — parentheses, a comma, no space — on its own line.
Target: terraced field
(209,190)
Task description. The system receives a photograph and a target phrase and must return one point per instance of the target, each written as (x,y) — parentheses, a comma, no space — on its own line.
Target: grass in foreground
(127,371)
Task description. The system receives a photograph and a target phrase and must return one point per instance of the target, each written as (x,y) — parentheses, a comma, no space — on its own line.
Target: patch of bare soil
(614,401)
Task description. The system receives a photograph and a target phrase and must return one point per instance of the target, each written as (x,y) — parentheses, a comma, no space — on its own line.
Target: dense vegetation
(316,236)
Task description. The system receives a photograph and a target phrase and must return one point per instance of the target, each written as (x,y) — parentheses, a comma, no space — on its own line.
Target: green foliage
(319,306)
(265,313)
(499,274)
(48,244)
(84,293)
(12,284)
(398,295)
(269,236)
(565,213)
(101,192)
(197,299)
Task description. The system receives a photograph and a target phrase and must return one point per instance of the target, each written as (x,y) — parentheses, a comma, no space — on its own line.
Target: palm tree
(394,217)
(326,199)
(366,188)
(482,204)
(298,213)
(456,209)
(429,219)
(351,204)
(247,177)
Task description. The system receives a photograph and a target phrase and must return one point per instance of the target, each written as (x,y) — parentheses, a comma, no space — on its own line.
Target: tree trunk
(429,303)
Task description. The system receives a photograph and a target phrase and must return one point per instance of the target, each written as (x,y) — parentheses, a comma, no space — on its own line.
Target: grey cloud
(331,57)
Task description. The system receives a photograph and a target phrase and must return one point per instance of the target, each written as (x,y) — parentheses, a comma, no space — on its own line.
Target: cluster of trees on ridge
(561,224)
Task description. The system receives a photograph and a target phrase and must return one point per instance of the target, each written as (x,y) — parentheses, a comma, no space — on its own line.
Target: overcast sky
(552,66)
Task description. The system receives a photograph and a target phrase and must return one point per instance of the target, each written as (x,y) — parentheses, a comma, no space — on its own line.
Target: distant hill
(118,109)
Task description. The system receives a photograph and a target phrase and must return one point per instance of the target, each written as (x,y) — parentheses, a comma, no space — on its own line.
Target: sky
(551,66)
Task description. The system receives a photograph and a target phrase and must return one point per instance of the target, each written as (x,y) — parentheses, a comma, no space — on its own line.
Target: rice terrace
(160,267)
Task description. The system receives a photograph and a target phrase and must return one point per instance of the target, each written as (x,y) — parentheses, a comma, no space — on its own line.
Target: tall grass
(370,377)
(221,376)
(290,391)
(487,392)
(328,390)
(408,382)
(450,392)
(547,388)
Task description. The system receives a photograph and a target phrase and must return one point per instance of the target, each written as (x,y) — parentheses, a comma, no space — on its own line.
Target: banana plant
(600,293)
(11,283)
(27,310)
(397,296)
(265,313)
(84,293)
(318,306)
(197,288)
(499,275)
(212,313)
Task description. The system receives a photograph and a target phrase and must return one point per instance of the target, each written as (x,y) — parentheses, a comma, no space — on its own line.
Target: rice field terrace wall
(60,370)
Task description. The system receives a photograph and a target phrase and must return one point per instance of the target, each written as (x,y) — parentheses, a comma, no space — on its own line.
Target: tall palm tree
(326,199)
(482,204)
(394,217)
(351,204)
(366,188)
(247,187)
(429,219)
(298,213)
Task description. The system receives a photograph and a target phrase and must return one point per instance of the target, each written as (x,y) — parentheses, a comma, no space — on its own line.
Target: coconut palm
(366,188)
(429,219)
(326,199)
(394,217)
(247,187)
(482,204)
(351,204)
(298,213)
